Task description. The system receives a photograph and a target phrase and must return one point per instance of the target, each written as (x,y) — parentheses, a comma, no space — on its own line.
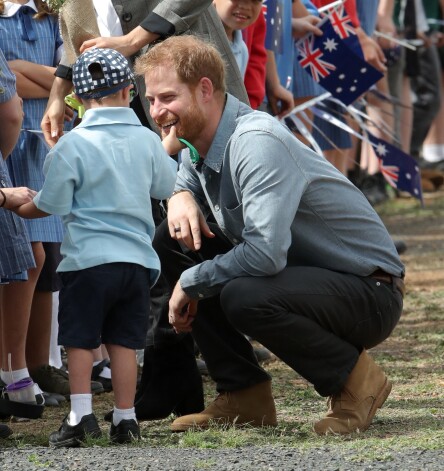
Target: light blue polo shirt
(99,178)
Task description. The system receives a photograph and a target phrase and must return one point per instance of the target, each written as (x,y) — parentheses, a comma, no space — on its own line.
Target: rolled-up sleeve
(174,17)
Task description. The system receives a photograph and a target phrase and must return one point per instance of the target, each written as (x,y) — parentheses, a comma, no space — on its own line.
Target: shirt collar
(226,128)
(12,8)
(109,115)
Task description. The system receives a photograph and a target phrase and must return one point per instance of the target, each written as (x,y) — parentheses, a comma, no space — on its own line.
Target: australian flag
(399,169)
(343,26)
(334,65)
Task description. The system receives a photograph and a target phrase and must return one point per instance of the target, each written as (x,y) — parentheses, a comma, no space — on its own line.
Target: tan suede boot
(353,409)
(253,406)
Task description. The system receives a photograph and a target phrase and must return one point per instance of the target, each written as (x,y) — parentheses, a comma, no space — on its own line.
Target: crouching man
(297,258)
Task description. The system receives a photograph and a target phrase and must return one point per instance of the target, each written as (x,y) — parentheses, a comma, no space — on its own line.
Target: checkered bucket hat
(100,72)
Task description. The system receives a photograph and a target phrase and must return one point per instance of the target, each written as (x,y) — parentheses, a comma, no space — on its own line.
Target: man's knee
(241,302)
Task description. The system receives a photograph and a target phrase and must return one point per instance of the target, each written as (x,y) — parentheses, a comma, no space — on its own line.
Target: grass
(413,357)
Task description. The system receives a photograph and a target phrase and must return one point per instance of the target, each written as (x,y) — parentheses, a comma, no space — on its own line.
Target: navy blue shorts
(106,304)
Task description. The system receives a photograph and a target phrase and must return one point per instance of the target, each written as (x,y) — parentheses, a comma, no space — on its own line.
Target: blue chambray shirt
(280,204)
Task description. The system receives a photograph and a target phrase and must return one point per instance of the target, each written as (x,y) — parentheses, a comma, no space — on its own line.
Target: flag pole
(330,6)
(395,40)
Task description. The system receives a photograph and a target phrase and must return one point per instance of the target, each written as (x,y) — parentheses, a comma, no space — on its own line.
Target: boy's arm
(29,211)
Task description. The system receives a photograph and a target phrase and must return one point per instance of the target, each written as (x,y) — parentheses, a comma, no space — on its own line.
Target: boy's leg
(123,332)
(81,420)
(83,300)
(124,375)
(124,426)
(80,362)
(80,367)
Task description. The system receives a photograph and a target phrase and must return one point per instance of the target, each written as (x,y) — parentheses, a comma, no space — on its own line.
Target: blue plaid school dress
(25,164)
(15,251)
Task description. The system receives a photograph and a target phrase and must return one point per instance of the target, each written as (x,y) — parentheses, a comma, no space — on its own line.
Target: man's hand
(127,45)
(182,310)
(17,196)
(186,221)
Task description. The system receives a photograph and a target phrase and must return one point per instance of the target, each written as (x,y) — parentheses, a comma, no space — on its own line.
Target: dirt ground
(422,229)
(415,350)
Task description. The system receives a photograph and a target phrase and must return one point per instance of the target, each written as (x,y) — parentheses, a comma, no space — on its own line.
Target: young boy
(235,16)
(99,178)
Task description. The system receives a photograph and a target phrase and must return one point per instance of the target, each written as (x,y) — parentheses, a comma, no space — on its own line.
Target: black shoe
(72,436)
(20,409)
(5,431)
(50,400)
(125,431)
(171,382)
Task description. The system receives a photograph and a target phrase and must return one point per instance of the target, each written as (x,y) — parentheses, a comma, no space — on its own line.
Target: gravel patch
(234,459)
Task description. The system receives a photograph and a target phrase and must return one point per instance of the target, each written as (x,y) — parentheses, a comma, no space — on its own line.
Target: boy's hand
(171,143)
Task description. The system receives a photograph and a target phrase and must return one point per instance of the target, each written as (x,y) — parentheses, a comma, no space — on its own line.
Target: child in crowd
(99,178)
(32,45)
(235,16)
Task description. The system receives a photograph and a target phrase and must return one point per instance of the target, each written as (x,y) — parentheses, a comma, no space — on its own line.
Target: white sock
(81,405)
(55,354)
(10,377)
(123,414)
(105,373)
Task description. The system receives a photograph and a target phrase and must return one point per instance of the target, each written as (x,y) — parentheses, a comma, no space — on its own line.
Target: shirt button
(200,295)
(378,284)
(127,17)
(216,207)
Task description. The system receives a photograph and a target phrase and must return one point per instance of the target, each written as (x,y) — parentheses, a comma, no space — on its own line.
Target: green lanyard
(194,155)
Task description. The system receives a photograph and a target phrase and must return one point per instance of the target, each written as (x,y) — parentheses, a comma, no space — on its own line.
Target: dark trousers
(315,320)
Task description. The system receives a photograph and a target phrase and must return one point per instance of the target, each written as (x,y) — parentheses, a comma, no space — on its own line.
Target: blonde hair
(42,9)
(190,57)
